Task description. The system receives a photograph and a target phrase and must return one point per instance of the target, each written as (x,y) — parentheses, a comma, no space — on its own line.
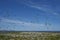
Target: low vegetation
(29,36)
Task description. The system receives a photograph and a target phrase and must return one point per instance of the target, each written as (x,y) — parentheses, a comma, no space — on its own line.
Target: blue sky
(30,15)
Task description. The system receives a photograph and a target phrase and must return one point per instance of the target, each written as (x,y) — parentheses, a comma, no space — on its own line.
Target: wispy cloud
(42,7)
(22,23)
(49,11)
(18,25)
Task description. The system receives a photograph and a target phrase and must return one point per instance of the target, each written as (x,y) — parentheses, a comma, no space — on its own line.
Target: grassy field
(29,35)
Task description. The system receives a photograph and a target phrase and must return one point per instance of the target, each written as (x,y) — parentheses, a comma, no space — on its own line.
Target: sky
(30,15)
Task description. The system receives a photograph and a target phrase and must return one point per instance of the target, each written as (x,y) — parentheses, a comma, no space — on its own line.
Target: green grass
(29,36)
